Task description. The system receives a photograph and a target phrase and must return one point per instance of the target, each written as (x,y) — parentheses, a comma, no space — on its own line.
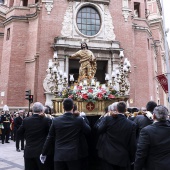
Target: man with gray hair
(153,151)
(35,130)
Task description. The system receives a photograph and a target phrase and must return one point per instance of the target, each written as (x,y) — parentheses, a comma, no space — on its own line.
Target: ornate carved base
(89,108)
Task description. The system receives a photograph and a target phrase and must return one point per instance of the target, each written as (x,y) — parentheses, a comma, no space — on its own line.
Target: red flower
(71,96)
(100,95)
(84,96)
(103,91)
(111,96)
(79,87)
(90,90)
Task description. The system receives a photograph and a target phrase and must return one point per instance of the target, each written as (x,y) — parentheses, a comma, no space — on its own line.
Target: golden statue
(88,65)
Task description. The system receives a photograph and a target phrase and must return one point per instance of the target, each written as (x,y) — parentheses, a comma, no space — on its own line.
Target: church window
(25,2)
(136,9)
(88,21)
(8,34)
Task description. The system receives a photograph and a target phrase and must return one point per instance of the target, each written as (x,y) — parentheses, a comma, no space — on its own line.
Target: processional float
(90,95)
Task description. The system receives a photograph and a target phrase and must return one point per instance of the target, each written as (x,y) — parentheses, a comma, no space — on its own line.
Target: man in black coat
(66,131)
(117,141)
(153,151)
(145,119)
(17,123)
(35,130)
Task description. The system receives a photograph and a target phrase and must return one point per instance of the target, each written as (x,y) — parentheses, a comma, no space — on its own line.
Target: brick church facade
(32,31)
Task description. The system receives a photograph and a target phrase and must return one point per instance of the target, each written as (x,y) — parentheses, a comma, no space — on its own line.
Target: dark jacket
(66,131)
(117,141)
(141,122)
(6,120)
(153,151)
(17,122)
(35,129)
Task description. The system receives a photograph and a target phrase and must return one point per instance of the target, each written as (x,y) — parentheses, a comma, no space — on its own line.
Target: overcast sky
(166,4)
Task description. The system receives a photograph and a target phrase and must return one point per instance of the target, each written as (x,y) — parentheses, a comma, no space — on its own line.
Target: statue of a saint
(88,65)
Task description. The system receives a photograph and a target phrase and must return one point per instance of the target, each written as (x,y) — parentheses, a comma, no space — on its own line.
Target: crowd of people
(134,140)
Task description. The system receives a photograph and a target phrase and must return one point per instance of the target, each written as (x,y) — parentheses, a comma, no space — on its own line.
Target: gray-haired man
(153,151)
(35,130)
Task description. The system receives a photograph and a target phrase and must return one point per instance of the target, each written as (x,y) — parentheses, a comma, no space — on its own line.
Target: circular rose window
(88,21)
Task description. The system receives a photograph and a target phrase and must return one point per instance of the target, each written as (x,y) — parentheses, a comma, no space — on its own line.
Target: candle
(60,73)
(117,73)
(75,87)
(85,82)
(113,74)
(50,64)
(92,82)
(71,77)
(121,55)
(97,84)
(65,75)
(55,56)
(107,76)
(55,69)
(103,86)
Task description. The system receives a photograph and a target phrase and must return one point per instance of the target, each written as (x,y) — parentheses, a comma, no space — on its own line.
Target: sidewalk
(10,159)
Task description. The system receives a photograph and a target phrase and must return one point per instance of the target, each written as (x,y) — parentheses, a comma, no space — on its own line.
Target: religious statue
(88,65)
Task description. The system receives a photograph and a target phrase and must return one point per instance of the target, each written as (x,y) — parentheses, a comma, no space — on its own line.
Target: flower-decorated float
(90,95)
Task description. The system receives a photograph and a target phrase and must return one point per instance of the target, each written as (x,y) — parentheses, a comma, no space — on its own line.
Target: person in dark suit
(17,123)
(146,118)
(66,131)
(117,144)
(83,150)
(35,130)
(153,151)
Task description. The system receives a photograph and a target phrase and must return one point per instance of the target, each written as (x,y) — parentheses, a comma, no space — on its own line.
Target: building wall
(13,71)
(50,27)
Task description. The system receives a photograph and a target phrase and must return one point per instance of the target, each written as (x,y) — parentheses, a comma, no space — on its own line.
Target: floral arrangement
(90,94)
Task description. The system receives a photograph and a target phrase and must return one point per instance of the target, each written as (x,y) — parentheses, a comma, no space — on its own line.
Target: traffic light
(27,94)
(31,98)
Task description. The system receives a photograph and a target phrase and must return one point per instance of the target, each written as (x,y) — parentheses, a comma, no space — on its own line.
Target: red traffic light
(31,98)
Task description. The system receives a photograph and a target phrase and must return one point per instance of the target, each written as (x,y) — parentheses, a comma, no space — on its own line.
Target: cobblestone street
(10,159)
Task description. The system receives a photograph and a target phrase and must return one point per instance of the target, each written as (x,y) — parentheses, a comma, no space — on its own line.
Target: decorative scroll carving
(125,14)
(109,33)
(49,7)
(68,21)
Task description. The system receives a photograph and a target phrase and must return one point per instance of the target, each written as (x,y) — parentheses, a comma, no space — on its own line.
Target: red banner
(163,81)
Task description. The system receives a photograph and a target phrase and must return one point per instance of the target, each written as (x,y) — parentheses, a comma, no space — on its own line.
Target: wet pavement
(10,159)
